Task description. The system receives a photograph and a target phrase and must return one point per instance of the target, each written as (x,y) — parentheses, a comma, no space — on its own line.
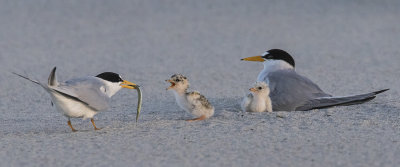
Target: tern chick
(83,97)
(258,99)
(191,102)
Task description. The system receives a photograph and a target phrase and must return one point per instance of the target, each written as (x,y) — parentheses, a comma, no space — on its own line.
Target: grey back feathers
(288,90)
(53,87)
(291,91)
(87,89)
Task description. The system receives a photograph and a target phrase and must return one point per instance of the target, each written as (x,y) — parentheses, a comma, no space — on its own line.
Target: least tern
(291,91)
(191,102)
(83,97)
(258,100)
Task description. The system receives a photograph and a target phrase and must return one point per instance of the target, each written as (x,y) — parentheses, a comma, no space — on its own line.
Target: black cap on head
(278,54)
(110,76)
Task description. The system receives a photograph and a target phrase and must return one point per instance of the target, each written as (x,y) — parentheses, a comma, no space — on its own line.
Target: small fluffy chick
(191,102)
(258,99)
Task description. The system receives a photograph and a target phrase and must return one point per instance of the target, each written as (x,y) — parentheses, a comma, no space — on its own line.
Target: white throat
(271,66)
(111,88)
(181,99)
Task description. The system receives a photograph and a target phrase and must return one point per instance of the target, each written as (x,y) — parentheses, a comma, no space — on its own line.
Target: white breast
(72,108)
(181,101)
(271,66)
(258,105)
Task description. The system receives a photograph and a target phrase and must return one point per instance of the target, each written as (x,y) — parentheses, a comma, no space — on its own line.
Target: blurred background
(345,46)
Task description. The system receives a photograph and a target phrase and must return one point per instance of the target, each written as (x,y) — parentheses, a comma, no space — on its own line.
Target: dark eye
(259,88)
(177,80)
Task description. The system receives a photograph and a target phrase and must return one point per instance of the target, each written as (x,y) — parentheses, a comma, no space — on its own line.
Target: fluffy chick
(191,102)
(258,99)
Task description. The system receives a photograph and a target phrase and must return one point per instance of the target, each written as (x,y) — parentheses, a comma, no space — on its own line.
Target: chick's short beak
(172,84)
(253,89)
(254,58)
(127,84)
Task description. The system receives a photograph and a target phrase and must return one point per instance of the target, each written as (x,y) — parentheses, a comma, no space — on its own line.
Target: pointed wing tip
(15,73)
(37,82)
(381,91)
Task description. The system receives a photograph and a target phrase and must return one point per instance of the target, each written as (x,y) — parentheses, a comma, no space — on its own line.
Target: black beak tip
(241,59)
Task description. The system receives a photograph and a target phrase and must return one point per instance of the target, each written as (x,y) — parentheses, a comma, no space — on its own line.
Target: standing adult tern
(291,91)
(83,97)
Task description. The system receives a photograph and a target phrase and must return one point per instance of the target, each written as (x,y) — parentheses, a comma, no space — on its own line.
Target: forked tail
(34,81)
(52,81)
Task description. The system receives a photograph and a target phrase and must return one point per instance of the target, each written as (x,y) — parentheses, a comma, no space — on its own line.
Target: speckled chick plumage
(258,99)
(192,102)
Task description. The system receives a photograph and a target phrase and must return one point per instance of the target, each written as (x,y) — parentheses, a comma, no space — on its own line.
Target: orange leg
(203,117)
(94,125)
(70,125)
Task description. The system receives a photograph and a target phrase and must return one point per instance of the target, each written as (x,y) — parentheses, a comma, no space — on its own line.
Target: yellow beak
(254,58)
(127,84)
(253,89)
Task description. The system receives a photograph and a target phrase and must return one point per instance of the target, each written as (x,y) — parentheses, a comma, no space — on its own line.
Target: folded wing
(326,102)
(290,90)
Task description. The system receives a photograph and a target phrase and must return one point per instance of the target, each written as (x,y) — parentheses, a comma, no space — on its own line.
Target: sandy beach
(346,47)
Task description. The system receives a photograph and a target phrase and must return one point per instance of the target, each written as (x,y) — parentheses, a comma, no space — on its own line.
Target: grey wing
(290,90)
(88,90)
(325,102)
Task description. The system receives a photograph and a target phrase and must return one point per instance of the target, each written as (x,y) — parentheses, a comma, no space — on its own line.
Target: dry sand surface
(346,47)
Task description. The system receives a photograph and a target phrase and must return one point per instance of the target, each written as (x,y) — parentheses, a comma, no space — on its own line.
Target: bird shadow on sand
(231,106)
(226,104)
(387,106)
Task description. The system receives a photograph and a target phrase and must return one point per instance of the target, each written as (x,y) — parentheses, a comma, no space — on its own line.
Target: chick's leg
(203,117)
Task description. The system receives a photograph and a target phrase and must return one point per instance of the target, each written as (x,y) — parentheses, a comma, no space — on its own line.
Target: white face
(272,65)
(111,88)
(265,53)
(260,88)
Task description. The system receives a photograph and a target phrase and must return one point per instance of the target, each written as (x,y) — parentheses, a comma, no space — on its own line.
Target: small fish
(139,105)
